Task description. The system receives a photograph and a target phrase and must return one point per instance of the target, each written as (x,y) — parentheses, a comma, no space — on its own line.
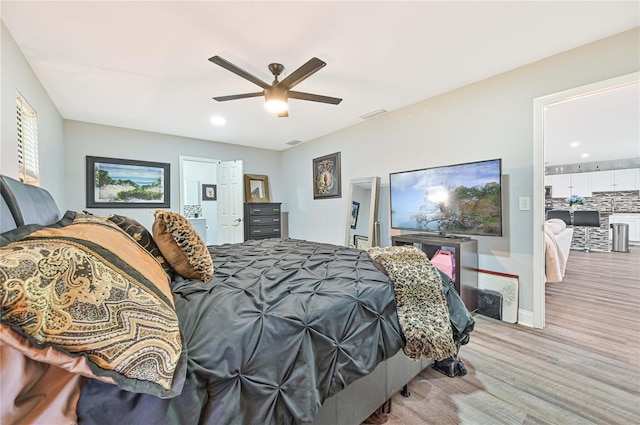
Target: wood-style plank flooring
(583,368)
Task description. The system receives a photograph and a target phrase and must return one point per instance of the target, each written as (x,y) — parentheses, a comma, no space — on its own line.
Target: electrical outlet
(524,203)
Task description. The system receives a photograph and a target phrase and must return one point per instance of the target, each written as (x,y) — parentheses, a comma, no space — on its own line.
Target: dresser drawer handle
(256,210)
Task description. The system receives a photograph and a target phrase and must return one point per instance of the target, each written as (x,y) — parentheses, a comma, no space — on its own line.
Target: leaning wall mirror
(256,188)
(363,229)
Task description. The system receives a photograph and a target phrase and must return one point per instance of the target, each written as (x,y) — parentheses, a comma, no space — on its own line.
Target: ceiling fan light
(276,106)
(275,100)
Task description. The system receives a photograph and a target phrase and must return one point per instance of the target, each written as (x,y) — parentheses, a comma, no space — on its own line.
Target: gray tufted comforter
(283,325)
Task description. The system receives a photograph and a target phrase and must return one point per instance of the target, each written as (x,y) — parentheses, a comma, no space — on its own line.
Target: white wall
(17,76)
(489,119)
(82,139)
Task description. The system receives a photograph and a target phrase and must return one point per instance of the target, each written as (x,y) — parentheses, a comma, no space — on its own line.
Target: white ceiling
(599,127)
(143,65)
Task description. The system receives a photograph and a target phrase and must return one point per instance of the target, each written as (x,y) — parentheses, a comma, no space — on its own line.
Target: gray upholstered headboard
(6,218)
(25,204)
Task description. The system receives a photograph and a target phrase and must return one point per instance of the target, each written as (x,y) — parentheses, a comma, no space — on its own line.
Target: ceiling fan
(277,93)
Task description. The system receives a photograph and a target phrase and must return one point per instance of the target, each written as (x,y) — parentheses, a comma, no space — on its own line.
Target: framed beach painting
(126,183)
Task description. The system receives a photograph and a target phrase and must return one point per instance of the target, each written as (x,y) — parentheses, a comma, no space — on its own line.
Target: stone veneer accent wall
(605,202)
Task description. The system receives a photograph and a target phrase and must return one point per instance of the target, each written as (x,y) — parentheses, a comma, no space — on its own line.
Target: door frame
(539,105)
(181,166)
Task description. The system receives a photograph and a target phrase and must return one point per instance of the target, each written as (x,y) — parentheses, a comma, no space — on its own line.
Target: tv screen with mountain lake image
(461,199)
(123,183)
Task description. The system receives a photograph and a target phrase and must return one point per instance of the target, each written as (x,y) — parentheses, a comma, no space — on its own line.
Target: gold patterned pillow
(88,289)
(181,245)
(141,235)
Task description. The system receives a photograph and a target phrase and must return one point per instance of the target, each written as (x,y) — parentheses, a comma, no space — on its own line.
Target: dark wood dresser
(262,220)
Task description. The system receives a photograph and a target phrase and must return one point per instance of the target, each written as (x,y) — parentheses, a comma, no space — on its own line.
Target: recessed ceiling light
(585,155)
(218,120)
(575,144)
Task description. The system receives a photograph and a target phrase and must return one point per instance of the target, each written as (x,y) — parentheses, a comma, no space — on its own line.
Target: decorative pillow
(555,225)
(560,222)
(87,289)
(141,235)
(182,246)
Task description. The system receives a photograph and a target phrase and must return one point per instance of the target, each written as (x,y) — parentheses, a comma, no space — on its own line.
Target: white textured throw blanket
(422,307)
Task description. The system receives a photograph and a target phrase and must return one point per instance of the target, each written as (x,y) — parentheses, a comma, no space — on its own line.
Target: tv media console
(465,252)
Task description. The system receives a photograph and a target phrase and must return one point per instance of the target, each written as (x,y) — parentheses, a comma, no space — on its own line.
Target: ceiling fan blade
(306,70)
(284,114)
(238,96)
(238,71)
(313,97)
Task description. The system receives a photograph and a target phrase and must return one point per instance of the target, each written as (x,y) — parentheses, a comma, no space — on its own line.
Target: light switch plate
(525,203)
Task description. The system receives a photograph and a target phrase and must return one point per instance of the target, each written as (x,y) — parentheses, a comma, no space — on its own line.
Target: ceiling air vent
(294,142)
(373,114)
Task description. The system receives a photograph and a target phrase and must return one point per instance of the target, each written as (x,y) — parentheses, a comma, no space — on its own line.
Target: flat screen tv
(461,199)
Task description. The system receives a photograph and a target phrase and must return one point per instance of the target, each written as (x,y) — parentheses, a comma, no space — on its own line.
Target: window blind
(28,168)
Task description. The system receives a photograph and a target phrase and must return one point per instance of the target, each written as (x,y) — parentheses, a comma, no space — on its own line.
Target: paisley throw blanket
(422,307)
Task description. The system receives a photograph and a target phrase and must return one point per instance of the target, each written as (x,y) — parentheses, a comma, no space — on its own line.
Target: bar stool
(564,215)
(586,219)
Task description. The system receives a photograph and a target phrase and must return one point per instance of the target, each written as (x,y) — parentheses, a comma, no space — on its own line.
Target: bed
(159,328)
(557,244)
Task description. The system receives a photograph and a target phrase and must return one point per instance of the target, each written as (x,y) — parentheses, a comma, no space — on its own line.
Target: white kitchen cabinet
(633,220)
(560,185)
(627,179)
(565,185)
(615,180)
(581,184)
(602,181)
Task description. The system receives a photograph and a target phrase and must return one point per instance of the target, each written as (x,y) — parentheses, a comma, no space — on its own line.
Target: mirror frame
(248,178)
(374,225)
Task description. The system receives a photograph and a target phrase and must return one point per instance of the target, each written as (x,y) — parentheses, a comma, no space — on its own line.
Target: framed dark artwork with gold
(327,177)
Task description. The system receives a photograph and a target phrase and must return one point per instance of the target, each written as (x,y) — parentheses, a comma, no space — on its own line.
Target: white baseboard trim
(525,318)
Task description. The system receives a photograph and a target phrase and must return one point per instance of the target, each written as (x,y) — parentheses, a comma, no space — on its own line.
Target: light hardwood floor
(583,368)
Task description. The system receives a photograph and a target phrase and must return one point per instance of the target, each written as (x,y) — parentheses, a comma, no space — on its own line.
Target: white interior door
(230,202)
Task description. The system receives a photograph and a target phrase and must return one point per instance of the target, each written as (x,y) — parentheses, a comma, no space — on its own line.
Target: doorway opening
(540,106)
(211,198)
